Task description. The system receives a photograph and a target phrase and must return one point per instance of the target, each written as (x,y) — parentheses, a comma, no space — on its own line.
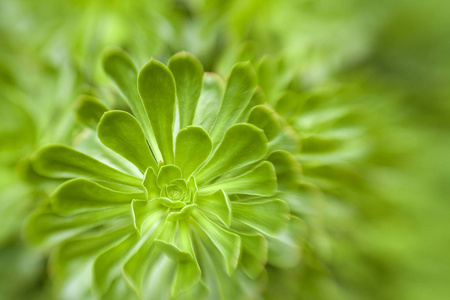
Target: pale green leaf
(193,147)
(188,74)
(122,133)
(210,100)
(226,242)
(89,110)
(239,91)
(119,66)
(156,87)
(81,195)
(167,173)
(265,118)
(261,181)
(242,144)
(150,185)
(216,203)
(59,161)
(267,216)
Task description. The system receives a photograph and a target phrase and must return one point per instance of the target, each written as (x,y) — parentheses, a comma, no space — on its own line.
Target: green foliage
(215,203)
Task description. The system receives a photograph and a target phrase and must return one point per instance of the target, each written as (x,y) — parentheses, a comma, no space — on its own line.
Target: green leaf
(216,203)
(80,195)
(89,110)
(156,86)
(107,266)
(267,216)
(210,100)
(261,181)
(170,203)
(142,261)
(193,146)
(147,213)
(187,276)
(168,173)
(227,243)
(287,168)
(240,87)
(182,214)
(57,161)
(174,240)
(45,228)
(121,69)
(188,74)
(285,248)
(150,185)
(254,254)
(122,133)
(241,145)
(265,118)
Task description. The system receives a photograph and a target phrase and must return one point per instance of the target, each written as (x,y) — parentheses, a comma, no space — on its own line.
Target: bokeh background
(380,68)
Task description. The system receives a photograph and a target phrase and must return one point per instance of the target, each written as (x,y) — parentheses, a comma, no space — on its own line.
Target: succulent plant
(192,208)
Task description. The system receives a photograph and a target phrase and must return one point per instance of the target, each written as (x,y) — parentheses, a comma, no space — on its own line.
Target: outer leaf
(226,242)
(241,145)
(150,185)
(288,169)
(59,161)
(107,266)
(285,249)
(260,181)
(266,119)
(239,92)
(188,74)
(254,254)
(47,228)
(80,195)
(188,274)
(147,213)
(182,214)
(89,110)
(267,216)
(216,203)
(210,100)
(122,133)
(193,146)
(156,86)
(121,69)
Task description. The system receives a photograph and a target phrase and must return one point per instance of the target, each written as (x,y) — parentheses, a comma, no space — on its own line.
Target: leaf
(45,228)
(146,214)
(254,254)
(192,148)
(285,248)
(80,195)
(119,66)
(267,216)
(265,118)
(168,173)
(145,256)
(107,266)
(188,274)
(241,145)
(156,86)
(59,161)
(89,110)
(227,243)
(170,203)
(210,100)
(216,203)
(150,185)
(287,168)
(188,74)
(122,133)
(182,214)
(261,181)
(239,92)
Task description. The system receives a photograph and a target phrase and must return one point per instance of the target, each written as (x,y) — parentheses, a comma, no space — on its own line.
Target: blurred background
(372,83)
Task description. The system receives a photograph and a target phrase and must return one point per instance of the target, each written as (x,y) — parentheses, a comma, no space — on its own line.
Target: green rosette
(187,203)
